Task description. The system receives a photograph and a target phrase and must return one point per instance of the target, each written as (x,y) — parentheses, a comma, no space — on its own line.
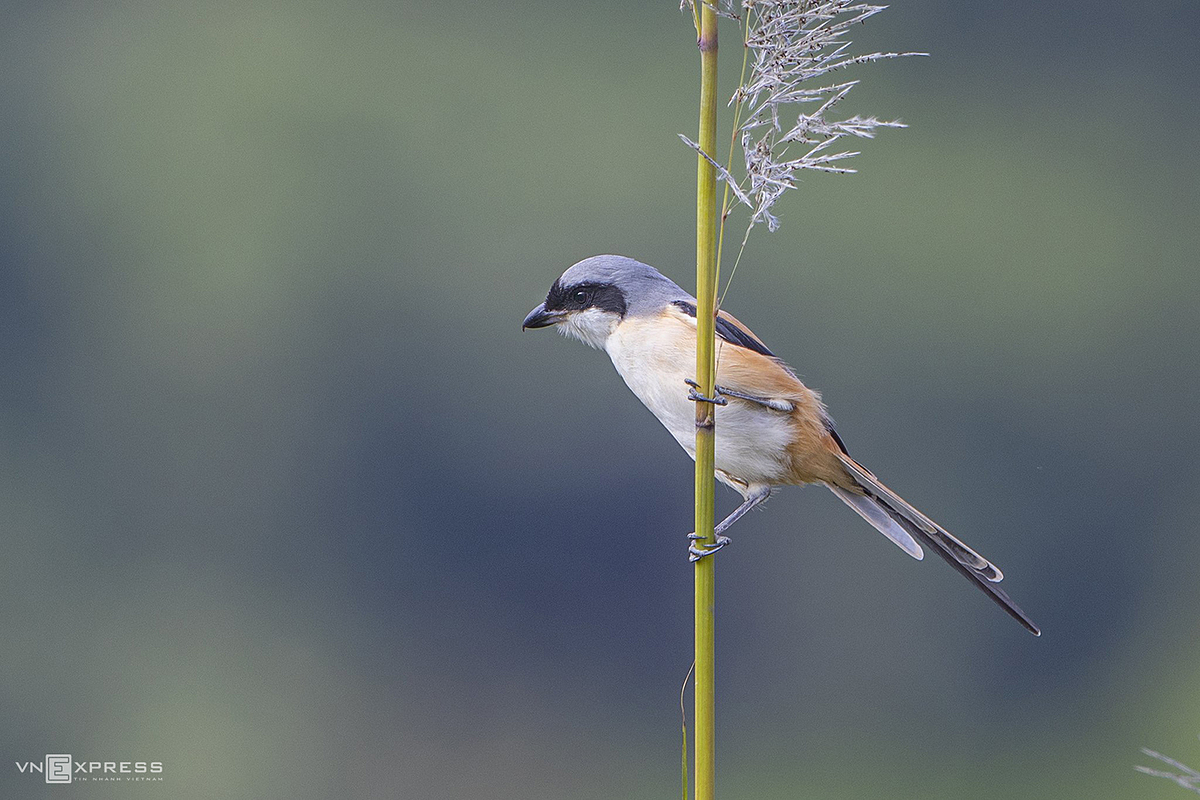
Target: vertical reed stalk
(706,290)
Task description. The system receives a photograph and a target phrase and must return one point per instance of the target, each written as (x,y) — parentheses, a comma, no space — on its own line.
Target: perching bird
(771,430)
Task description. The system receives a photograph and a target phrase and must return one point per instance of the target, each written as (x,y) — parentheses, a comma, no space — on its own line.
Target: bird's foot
(694,394)
(721,393)
(699,548)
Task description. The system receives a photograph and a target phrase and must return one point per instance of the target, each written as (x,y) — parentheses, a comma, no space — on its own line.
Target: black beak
(541,318)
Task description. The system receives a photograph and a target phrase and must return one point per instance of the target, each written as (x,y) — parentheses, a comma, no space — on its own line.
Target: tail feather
(874,513)
(925,531)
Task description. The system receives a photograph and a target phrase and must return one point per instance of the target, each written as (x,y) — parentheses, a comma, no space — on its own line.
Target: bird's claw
(695,553)
(694,394)
(716,401)
(721,393)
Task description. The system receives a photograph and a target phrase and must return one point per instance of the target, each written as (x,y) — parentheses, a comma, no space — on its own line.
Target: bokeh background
(290,504)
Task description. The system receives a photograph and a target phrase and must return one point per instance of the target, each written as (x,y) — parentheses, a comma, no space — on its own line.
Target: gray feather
(647,291)
(869,510)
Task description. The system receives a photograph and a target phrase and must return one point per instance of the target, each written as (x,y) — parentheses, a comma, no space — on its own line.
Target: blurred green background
(290,504)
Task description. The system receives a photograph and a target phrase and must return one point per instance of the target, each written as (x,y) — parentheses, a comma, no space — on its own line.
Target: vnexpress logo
(62,768)
(58,768)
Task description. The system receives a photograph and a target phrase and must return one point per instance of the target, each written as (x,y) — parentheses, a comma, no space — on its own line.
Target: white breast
(656,356)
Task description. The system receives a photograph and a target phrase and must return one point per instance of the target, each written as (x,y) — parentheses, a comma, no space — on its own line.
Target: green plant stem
(706,297)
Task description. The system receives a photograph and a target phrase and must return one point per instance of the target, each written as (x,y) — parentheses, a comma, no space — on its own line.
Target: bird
(771,431)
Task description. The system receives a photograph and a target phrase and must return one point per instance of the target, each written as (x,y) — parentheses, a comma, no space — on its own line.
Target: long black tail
(977,569)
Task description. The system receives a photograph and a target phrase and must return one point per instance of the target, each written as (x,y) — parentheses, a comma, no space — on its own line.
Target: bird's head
(593,297)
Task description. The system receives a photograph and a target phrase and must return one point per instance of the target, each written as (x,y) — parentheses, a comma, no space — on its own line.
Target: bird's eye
(581,297)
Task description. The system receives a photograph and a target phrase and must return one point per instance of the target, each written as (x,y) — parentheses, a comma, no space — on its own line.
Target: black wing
(729,331)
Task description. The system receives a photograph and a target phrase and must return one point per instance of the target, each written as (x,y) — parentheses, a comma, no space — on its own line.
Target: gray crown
(646,289)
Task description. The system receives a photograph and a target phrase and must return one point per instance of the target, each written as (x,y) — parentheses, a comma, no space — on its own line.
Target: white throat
(590,326)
